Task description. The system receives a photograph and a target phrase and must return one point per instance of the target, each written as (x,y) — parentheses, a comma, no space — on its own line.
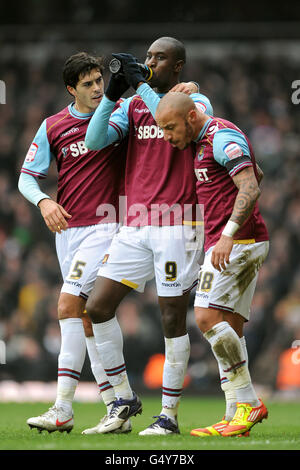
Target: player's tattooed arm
(247,196)
(248,193)
(260,173)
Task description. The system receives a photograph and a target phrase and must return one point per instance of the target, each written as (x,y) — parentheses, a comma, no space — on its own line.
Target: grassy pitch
(281,431)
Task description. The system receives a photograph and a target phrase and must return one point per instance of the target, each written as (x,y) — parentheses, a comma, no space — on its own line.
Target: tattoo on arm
(247,196)
(260,173)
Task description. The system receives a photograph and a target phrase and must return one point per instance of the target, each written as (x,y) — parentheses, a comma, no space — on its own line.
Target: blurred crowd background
(248,82)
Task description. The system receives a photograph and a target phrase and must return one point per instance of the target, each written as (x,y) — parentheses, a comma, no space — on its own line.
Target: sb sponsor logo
(78,148)
(149,132)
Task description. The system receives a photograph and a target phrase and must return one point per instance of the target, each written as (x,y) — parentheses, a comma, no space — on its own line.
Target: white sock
(244,347)
(228,350)
(70,361)
(228,388)
(247,393)
(109,344)
(177,356)
(230,395)
(105,388)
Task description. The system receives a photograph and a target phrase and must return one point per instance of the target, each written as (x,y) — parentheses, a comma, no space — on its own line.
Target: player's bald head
(177,116)
(174,44)
(175,102)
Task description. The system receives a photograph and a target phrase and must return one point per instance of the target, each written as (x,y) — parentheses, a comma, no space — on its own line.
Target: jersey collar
(204,129)
(77,114)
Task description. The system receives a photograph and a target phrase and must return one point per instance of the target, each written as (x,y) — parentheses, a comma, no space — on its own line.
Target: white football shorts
(231,290)
(80,251)
(168,253)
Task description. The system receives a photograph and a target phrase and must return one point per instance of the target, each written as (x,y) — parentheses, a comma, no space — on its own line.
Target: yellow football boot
(213,430)
(246,416)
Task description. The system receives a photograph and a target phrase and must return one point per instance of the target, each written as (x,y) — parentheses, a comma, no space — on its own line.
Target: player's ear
(71,90)
(178,66)
(192,116)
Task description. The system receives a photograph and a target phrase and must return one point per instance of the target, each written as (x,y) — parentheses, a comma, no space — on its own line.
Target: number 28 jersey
(223,150)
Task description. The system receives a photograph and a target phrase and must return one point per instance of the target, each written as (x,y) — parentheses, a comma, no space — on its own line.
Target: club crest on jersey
(201,153)
(31,152)
(233,150)
(64,151)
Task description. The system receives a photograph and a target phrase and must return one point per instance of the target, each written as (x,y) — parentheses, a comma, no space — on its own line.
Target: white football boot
(122,409)
(161,427)
(55,419)
(124,429)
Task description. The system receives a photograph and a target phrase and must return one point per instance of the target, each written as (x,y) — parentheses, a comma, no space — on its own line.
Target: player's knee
(202,322)
(66,309)
(99,309)
(173,321)
(206,318)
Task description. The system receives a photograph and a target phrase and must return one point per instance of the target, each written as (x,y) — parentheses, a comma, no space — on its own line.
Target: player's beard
(188,134)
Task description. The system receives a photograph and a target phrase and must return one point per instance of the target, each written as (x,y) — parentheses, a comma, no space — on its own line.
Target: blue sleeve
(202,103)
(29,187)
(39,156)
(151,100)
(106,126)
(231,150)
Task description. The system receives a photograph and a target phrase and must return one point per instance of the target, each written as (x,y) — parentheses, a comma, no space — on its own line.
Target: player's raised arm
(136,79)
(99,133)
(151,99)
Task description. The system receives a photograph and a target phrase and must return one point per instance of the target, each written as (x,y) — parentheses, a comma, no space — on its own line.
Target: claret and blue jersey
(156,173)
(86,179)
(223,150)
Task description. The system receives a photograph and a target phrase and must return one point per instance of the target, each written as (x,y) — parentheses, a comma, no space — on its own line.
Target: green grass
(281,431)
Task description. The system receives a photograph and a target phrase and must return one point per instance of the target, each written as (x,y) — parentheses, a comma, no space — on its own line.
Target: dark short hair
(80,64)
